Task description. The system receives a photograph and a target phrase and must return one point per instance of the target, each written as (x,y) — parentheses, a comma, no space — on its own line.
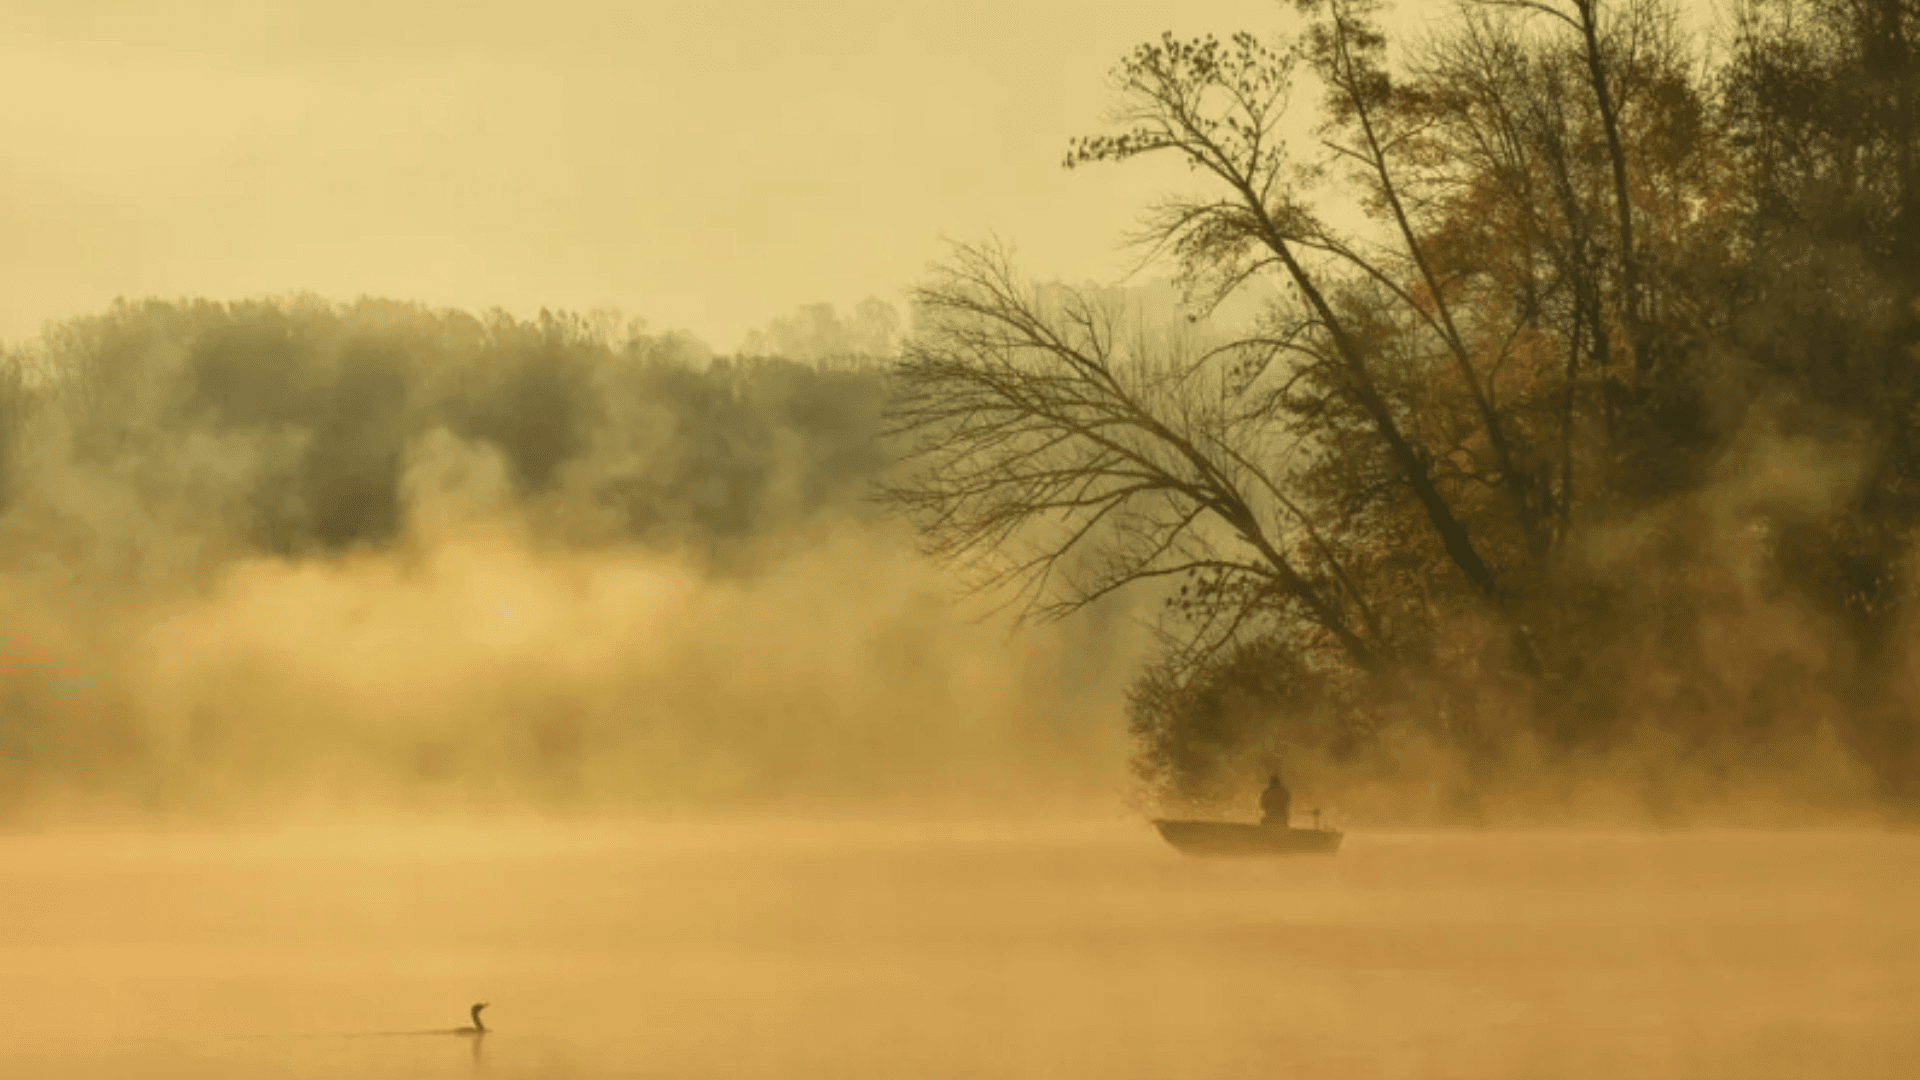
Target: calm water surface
(850,951)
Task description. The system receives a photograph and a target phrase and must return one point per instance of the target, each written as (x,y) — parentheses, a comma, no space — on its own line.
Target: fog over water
(479,674)
(452,551)
(823,948)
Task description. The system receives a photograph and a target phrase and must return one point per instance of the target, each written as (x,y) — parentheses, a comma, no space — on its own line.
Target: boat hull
(1242,838)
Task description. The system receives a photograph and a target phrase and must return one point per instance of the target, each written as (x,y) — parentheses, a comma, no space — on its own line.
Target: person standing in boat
(1275,802)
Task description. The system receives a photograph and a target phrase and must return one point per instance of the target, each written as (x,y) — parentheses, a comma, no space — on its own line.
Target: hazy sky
(701,165)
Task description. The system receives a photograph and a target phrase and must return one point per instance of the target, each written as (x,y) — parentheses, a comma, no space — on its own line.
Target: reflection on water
(849,951)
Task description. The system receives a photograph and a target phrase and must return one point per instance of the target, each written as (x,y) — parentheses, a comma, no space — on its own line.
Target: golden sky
(701,165)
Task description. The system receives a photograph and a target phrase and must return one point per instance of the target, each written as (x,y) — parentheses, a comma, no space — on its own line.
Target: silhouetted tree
(1523,304)
(1823,97)
(1053,447)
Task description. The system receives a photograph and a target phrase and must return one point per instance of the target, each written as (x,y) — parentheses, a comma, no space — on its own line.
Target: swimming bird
(478,1028)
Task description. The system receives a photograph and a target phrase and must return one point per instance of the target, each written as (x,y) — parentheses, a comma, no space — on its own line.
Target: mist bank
(287,553)
(482,671)
(290,556)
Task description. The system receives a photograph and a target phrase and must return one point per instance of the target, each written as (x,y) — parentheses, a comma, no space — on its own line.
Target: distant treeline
(283,553)
(289,426)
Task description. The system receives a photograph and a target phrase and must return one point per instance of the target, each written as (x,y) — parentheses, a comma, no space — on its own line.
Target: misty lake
(850,950)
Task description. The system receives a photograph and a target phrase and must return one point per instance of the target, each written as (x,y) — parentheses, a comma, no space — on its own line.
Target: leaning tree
(1501,265)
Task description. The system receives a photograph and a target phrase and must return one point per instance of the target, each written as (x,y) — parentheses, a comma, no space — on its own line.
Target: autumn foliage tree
(1516,288)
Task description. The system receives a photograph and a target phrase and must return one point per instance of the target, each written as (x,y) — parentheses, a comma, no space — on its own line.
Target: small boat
(1246,838)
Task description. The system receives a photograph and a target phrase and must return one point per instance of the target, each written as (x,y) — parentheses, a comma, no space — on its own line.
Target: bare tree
(1053,446)
(1395,445)
(1339,356)
(1218,105)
